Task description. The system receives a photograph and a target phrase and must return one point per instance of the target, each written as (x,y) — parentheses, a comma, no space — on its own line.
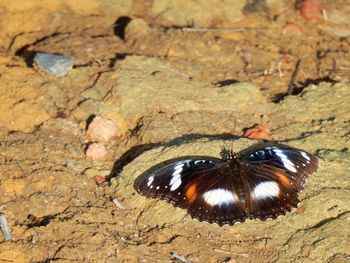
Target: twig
(176,71)
(117,203)
(5,229)
(179,257)
(293,77)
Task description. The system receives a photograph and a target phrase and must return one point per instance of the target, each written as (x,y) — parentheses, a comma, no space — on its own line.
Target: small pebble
(56,65)
(95,151)
(301,210)
(311,10)
(5,229)
(137,28)
(259,132)
(99,179)
(292,28)
(101,129)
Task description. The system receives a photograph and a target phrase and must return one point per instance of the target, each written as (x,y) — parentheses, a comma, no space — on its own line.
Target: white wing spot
(175,185)
(286,162)
(175,182)
(289,165)
(305,155)
(218,197)
(150,180)
(177,171)
(179,166)
(266,190)
(157,187)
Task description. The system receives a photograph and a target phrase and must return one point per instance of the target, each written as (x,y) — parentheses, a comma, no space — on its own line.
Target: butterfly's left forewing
(204,186)
(170,181)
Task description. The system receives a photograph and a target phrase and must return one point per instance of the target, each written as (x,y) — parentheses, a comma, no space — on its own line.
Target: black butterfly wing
(272,176)
(262,182)
(202,185)
(168,180)
(216,197)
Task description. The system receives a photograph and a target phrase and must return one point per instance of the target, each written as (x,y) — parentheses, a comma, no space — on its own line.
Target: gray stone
(57,65)
(5,229)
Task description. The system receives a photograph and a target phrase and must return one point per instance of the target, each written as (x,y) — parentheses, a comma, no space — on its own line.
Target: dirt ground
(179,78)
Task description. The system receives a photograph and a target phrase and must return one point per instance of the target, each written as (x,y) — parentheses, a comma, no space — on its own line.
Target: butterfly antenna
(225,151)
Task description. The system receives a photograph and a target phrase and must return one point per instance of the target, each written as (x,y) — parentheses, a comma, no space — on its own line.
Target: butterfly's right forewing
(273,175)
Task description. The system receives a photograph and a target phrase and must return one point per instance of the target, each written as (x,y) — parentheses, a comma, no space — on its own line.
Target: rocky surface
(309,234)
(173,90)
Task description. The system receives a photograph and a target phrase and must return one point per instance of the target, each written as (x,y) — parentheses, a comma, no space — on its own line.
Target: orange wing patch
(191,192)
(283,179)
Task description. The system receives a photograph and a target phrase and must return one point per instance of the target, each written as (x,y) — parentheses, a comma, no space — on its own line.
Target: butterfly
(260,182)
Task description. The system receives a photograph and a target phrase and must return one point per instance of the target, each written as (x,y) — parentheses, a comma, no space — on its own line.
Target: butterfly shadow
(137,150)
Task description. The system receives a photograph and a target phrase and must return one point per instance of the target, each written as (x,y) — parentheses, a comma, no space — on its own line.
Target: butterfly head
(232,155)
(228,154)
(232,158)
